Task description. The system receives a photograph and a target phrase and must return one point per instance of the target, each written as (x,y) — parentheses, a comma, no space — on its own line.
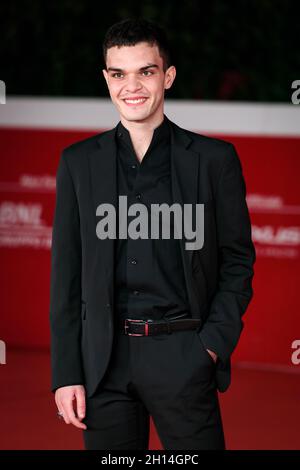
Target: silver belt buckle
(145,322)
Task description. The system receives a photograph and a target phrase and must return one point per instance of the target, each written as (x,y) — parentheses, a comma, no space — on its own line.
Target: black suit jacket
(218,276)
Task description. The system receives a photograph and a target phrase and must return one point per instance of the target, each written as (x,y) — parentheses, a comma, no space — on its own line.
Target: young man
(144,326)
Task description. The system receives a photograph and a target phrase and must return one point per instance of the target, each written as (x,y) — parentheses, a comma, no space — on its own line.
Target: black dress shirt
(149,277)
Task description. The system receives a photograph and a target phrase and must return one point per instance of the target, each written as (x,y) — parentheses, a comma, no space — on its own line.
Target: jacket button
(108,305)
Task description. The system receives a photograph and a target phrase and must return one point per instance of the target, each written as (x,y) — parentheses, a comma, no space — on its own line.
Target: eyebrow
(116,69)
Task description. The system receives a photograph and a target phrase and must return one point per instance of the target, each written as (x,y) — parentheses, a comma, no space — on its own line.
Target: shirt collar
(160,134)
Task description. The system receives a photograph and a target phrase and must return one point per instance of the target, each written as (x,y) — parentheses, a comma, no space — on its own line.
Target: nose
(133,84)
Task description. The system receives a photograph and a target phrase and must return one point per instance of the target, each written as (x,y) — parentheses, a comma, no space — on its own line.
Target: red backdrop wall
(271,167)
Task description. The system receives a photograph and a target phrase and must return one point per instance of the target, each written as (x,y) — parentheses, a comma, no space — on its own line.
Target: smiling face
(136,82)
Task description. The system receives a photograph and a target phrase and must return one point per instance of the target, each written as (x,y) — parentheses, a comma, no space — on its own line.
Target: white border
(201,116)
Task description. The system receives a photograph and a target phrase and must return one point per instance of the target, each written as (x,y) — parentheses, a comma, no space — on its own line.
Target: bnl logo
(2,352)
(2,92)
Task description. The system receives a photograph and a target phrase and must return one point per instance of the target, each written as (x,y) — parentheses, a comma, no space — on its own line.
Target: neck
(141,133)
(143,127)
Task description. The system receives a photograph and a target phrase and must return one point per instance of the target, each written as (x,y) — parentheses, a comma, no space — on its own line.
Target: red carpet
(260,409)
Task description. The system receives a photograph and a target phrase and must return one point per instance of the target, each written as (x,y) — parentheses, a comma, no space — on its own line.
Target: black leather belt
(137,327)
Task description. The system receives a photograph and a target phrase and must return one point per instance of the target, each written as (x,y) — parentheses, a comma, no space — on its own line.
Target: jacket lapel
(185,180)
(184,177)
(103,175)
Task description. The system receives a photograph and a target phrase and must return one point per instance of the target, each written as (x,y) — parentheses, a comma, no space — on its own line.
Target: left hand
(213,355)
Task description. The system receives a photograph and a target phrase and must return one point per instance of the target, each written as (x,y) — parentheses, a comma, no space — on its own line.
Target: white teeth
(141,100)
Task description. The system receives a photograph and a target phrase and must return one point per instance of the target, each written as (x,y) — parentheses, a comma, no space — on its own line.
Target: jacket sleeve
(224,323)
(65,286)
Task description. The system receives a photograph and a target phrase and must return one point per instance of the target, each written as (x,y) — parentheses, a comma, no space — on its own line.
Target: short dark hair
(130,32)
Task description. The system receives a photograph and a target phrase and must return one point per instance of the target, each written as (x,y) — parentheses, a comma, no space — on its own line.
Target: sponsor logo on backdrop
(30,183)
(47,182)
(270,204)
(2,352)
(280,242)
(275,241)
(21,225)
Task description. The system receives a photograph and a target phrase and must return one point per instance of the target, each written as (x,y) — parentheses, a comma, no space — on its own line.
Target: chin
(136,116)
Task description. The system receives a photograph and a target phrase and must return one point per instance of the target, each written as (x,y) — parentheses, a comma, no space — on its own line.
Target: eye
(117,75)
(147,73)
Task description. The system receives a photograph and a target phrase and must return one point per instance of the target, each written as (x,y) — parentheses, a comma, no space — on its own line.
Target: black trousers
(168,376)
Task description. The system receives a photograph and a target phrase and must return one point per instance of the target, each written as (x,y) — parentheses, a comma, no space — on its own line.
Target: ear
(170,75)
(105,74)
